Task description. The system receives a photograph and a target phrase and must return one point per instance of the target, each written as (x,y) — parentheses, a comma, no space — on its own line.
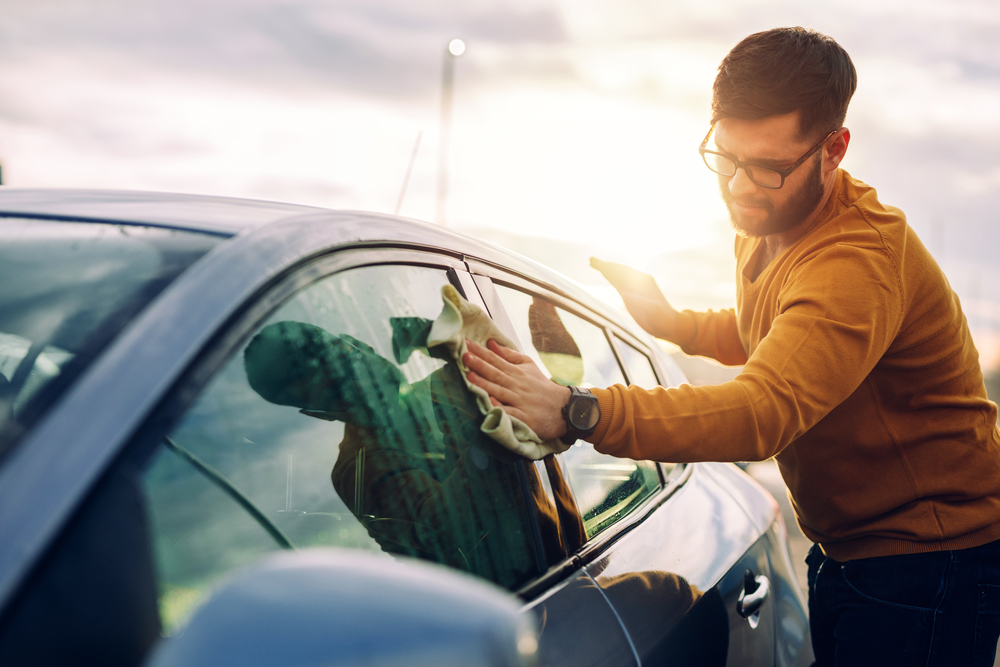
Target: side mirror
(332,607)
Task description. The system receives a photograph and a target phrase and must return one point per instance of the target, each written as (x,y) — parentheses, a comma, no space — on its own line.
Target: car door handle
(755,592)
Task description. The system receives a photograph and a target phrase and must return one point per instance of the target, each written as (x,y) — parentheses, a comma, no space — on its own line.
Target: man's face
(758,211)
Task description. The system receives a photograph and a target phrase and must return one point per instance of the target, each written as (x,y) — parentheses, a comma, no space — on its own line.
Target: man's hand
(643,299)
(516,384)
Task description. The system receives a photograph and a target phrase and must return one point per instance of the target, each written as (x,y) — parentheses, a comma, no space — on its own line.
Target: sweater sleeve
(710,334)
(837,314)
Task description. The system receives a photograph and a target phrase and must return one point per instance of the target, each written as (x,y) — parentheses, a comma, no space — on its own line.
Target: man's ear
(835,150)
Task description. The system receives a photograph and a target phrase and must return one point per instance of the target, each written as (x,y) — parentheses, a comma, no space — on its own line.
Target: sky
(574,120)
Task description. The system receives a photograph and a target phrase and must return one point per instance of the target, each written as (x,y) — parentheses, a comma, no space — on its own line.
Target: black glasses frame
(740,164)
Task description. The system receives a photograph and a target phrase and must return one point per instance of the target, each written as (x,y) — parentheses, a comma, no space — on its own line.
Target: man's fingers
(495,354)
(484,370)
(615,273)
(627,280)
(514,412)
(499,395)
(487,365)
(486,354)
(512,356)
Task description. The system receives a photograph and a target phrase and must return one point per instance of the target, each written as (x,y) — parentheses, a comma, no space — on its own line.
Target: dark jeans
(938,608)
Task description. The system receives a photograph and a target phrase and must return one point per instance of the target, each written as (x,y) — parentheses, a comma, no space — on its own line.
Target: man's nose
(740,184)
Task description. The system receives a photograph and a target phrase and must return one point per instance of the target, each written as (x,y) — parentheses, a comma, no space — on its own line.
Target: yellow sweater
(861,378)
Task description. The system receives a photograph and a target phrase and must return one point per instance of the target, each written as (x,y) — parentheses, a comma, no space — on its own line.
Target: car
(192,387)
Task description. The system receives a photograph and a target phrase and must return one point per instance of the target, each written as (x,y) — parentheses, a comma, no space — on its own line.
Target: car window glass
(640,369)
(66,290)
(567,348)
(641,373)
(334,426)
(575,352)
(47,365)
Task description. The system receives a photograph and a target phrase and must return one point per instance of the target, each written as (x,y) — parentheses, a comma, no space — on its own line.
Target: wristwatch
(581,414)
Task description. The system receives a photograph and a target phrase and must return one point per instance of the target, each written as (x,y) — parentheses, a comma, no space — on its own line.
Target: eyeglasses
(764,176)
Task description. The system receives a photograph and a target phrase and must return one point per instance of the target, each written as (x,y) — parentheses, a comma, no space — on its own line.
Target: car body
(158,468)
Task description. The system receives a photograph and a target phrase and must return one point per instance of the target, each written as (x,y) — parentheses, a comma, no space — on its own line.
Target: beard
(794,211)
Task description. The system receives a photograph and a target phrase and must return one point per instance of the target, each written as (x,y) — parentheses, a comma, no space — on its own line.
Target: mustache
(729,199)
(746,201)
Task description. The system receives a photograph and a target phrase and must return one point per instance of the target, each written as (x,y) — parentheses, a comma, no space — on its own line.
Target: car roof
(224,216)
(229,216)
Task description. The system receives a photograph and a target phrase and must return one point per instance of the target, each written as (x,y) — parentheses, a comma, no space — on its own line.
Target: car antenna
(409,168)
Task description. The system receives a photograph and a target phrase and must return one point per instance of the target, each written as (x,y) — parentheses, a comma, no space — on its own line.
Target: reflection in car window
(47,364)
(66,289)
(334,426)
(575,352)
(560,495)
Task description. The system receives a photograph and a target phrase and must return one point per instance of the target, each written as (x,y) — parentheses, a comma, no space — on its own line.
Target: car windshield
(66,289)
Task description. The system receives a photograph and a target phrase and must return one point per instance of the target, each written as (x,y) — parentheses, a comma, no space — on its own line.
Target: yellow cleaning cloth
(460,320)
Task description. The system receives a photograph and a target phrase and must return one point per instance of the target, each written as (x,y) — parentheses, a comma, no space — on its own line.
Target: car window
(333,425)
(641,373)
(66,289)
(575,352)
(637,364)
(330,425)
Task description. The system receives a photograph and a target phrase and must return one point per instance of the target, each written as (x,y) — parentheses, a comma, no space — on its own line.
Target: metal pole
(455,48)
(409,170)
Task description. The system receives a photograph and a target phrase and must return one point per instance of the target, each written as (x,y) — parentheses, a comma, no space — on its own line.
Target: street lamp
(456,47)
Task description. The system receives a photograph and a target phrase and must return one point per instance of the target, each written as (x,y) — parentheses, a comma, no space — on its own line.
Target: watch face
(584,414)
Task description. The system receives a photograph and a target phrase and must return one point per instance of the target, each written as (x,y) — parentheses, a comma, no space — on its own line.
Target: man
(860,376)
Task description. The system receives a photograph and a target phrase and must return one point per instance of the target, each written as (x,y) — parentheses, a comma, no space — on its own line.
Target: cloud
(185,93)
(390,48)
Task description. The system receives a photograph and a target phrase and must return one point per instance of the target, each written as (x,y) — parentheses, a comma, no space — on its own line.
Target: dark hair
(783,70)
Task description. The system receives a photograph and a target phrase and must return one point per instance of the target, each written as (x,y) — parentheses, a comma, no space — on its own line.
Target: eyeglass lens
(762,176)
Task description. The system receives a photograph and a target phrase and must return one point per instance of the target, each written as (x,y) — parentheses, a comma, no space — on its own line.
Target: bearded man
(859,374)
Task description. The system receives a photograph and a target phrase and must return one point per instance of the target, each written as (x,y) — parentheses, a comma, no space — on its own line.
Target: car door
(318,418)
(671,556)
